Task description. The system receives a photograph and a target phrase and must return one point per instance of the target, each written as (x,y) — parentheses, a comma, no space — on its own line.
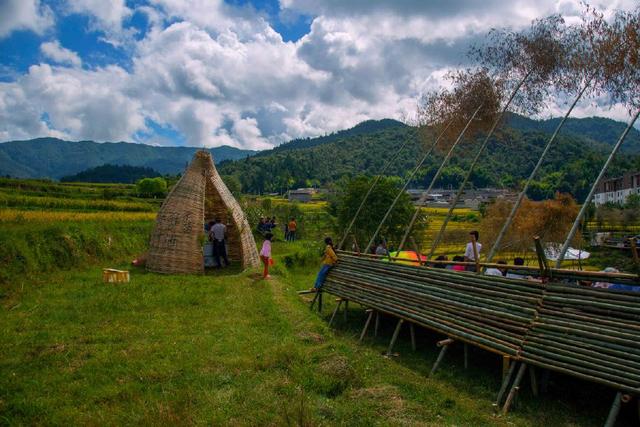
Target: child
(329,259)
(265,254)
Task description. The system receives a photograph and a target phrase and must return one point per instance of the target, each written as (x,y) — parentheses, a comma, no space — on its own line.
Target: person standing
(329,259)
(470,253)
(217,236)
(265,255)
(293,226)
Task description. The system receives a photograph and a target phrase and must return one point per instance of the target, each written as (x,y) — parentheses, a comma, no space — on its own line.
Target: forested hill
(55,158)
(364,128)
(571,165)
(596,130)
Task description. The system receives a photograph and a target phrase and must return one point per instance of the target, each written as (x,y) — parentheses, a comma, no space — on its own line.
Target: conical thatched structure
(198,197)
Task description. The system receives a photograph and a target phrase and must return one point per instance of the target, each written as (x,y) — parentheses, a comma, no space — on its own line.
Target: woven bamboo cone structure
(199,196)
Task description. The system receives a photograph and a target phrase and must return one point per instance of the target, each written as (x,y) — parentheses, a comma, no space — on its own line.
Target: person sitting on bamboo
(329,259)
(381,249)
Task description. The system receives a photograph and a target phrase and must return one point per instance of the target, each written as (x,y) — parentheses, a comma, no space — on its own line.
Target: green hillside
(596,130)
(571,165)
(55,158)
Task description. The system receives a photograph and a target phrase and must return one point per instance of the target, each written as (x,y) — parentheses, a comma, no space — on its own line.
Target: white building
(616,190)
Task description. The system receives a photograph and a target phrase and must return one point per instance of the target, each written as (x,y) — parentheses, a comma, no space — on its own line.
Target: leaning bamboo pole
(523,192)
(407,182)
(369,191)
(466,179)
(587,201)
(433,180)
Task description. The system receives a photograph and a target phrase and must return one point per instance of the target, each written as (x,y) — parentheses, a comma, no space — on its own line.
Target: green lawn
(228,350)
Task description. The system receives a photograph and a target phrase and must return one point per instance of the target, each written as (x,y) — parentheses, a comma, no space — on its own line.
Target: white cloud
(109,14)
(54,51)
(80,104)
(107,17)
(24,15)
(219,74)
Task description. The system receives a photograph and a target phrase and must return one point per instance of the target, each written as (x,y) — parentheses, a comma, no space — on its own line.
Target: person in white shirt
(217,236)
(500,271)
(469,255)
(517,261)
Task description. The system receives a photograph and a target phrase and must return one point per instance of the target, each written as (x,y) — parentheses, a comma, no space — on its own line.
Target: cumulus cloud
(220,74)
(24,15)
(108,14)
(61,55)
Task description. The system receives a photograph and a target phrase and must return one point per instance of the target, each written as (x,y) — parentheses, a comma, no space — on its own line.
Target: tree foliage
(548,219)
(152,187)
(346,201)
(123,174)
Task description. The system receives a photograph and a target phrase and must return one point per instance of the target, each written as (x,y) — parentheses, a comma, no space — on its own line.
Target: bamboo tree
(523,192)
(366,196)
(585,205)
(405,185)
(482,147)
(433,180)
(535,55)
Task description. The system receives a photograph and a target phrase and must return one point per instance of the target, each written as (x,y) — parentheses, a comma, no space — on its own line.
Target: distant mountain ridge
(354,150)
(55,158)
(599,131)
(361,129)
(570,166)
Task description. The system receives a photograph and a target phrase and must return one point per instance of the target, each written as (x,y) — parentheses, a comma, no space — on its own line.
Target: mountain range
(570,166)
(55,158)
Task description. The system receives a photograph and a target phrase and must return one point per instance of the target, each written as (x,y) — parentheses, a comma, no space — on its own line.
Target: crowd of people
(269,224)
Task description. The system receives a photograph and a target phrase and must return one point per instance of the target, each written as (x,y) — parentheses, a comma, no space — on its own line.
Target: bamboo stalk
(370,190)
(406,183)
(433,180)
(523,192)
(471,168)
(587,201)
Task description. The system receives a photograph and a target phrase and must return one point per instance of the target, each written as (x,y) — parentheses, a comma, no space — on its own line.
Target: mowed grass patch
(203,350)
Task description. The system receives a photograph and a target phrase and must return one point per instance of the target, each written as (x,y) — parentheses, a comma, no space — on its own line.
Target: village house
(616,190)
(303,195)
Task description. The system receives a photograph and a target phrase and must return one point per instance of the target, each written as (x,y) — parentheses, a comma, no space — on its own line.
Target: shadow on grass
(567,399)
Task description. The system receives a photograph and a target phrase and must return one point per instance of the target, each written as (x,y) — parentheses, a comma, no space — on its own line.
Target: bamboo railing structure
(588,333)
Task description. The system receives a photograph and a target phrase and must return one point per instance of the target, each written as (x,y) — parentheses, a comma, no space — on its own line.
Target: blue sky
(249,74)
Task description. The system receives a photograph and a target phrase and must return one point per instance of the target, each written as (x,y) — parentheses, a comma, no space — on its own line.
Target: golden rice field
(13,200)
(15,215)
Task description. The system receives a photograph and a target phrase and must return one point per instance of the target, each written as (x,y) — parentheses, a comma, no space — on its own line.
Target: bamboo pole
(366,325)
(613,412)
(472,167)
(514,389)
(585,205)
(523,192)
(369,191)
(423,197)
(396,332)
(407,182)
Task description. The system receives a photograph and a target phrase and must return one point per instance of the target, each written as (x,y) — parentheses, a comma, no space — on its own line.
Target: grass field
(230,350)
(218,349)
